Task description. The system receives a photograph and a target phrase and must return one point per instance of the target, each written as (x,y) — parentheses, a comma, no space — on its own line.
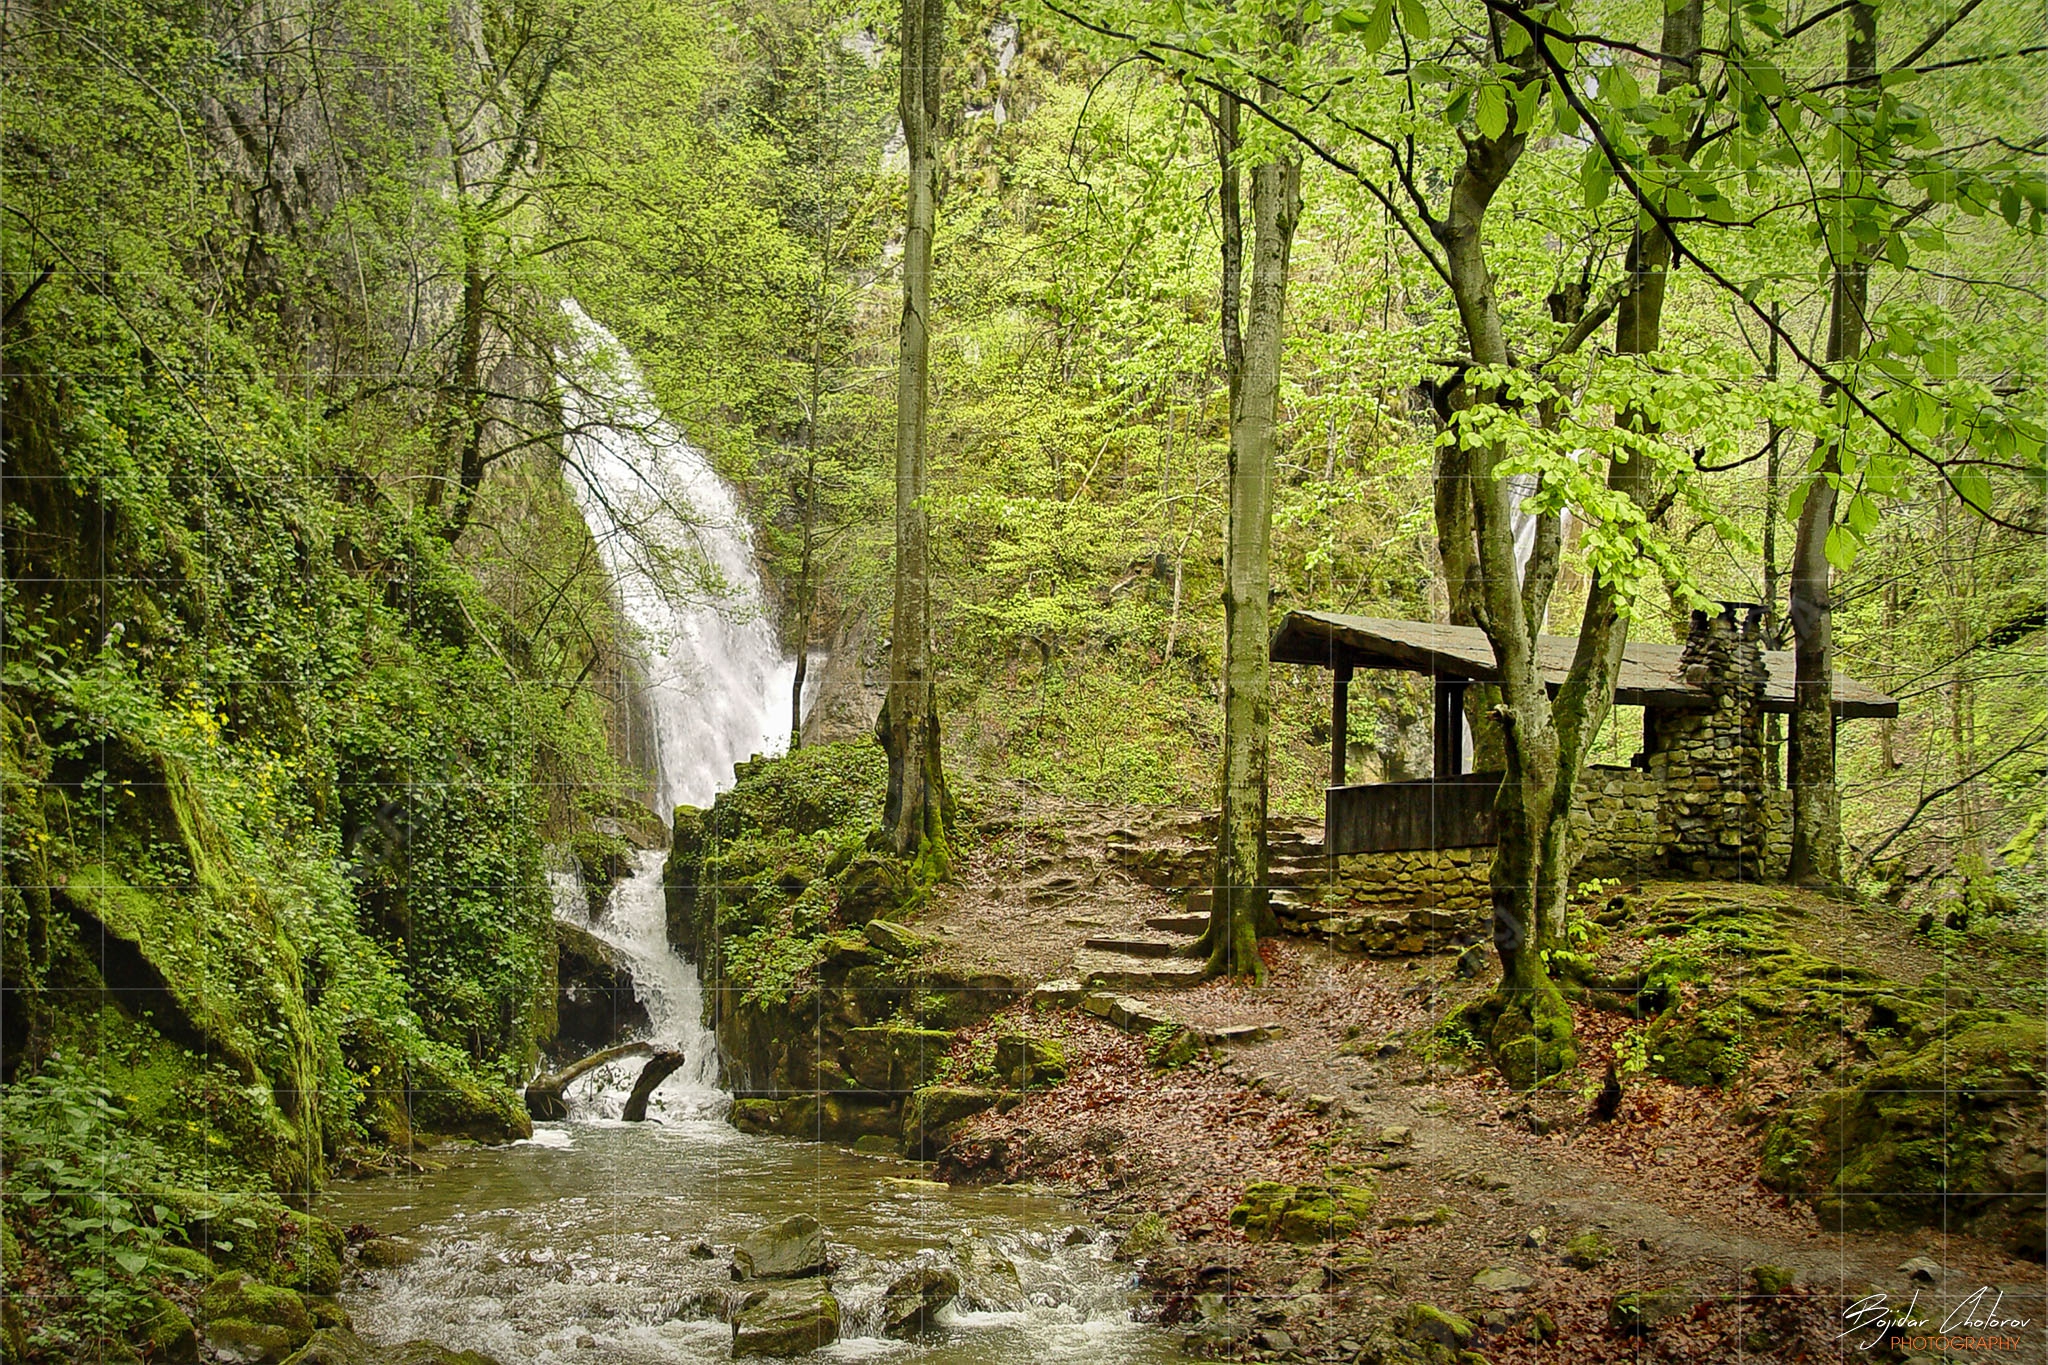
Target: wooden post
(1340,723)
(1450,726)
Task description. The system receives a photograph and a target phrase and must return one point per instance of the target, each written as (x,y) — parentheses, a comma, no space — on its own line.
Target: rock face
(790,1249)
(841,1061)
(915,1296)
(788,1320)
(594,1002)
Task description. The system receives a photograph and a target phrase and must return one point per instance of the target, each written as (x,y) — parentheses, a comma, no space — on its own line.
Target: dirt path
(1349,1078)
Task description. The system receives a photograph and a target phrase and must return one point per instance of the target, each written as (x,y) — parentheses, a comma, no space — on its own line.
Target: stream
(602,1241)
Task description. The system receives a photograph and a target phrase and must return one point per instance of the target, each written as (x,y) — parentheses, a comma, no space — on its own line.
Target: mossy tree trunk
(1241,909)
(1544,740)
(1816,803)
(916,812)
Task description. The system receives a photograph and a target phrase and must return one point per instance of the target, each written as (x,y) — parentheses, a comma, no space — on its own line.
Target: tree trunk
(1816,802)
(917,810)
(1252,361)
(1242,910)
(544,1093)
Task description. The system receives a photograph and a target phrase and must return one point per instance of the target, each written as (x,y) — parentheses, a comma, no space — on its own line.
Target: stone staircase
(1179,860)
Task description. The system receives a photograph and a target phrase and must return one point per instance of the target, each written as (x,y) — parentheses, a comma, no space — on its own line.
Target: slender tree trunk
(917,810)
(1816,801)
(1242,909)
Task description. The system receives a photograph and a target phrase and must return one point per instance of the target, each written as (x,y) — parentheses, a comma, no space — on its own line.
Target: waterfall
(715,680)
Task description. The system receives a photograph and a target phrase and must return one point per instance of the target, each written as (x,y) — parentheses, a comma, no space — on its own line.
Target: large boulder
(788,1320)
(787,1250)
(247,1322)
(931,1114)
(1023,1061)
(915,1296)
(1944,1132)
(595,1006)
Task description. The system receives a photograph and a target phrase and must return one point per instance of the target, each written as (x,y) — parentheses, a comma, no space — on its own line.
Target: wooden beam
(1340,723)
(1449,727)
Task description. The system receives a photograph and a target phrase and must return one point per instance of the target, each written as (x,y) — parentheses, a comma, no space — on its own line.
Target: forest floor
(1355,1078)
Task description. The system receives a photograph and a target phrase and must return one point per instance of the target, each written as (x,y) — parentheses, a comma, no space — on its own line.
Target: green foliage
(77,1182)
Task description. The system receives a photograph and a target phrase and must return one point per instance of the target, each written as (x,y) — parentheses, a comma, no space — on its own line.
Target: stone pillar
(1712,765)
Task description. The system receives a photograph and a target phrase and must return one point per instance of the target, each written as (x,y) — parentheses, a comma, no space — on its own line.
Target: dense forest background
(311,666)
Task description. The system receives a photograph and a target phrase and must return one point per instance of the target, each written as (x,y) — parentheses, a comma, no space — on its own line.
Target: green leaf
(1567,117)
(134,1262)
(1862,516)
(1379,28)
(1415,19)
(1618,86)
(1972,486)
(1841,547)
(1526,101)
(1941,358)
(1491,109)
(1596,177)
(1454,112)
(1350,20)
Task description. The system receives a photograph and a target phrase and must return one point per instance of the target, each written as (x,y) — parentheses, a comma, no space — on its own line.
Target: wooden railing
(1387,817)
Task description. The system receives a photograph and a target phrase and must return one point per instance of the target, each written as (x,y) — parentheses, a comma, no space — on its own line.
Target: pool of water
(576,1246)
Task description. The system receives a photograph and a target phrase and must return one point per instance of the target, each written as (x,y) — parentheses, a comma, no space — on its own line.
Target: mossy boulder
(1700,1048)
(1943,1133)
(1023,1061)
(934,1111)
(251,1322)
(788,1321)
(258,1234)
(336,1346)
(894,1057)
(446,1101)
(164,1333)
(1303,1214)
(1426,1322)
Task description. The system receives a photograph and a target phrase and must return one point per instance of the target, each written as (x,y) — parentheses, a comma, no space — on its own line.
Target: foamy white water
(673,536)
(717,680)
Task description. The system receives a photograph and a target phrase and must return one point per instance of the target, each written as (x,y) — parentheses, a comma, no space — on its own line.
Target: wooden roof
(1649,673)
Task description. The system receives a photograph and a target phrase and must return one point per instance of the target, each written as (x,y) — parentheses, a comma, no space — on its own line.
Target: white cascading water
(673,537)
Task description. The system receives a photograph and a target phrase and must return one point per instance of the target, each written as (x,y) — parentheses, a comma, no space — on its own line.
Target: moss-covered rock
(164,1333)
(1587,1249)
(873,886)
(1700,1048)
(1944,1133)
(252,1322)
(933,1112)
(894,1057)
(1271,1211)
(1023,1061)
(259,1235)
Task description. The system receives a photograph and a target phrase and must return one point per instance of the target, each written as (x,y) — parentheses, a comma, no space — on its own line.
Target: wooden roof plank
(1648,676)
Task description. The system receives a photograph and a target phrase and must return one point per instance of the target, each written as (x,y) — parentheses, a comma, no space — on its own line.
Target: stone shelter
(1696,801)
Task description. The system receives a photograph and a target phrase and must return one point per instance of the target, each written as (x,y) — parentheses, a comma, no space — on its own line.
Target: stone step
(1191,923)
(1133,945)
(1118,971)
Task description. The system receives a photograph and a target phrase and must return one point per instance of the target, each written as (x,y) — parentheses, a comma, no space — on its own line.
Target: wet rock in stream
(787,1320)
(788,1250)
(915,1296)
(988,1279)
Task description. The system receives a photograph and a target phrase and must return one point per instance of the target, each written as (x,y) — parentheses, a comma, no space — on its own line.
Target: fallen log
(658,1069)
(544,1093)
